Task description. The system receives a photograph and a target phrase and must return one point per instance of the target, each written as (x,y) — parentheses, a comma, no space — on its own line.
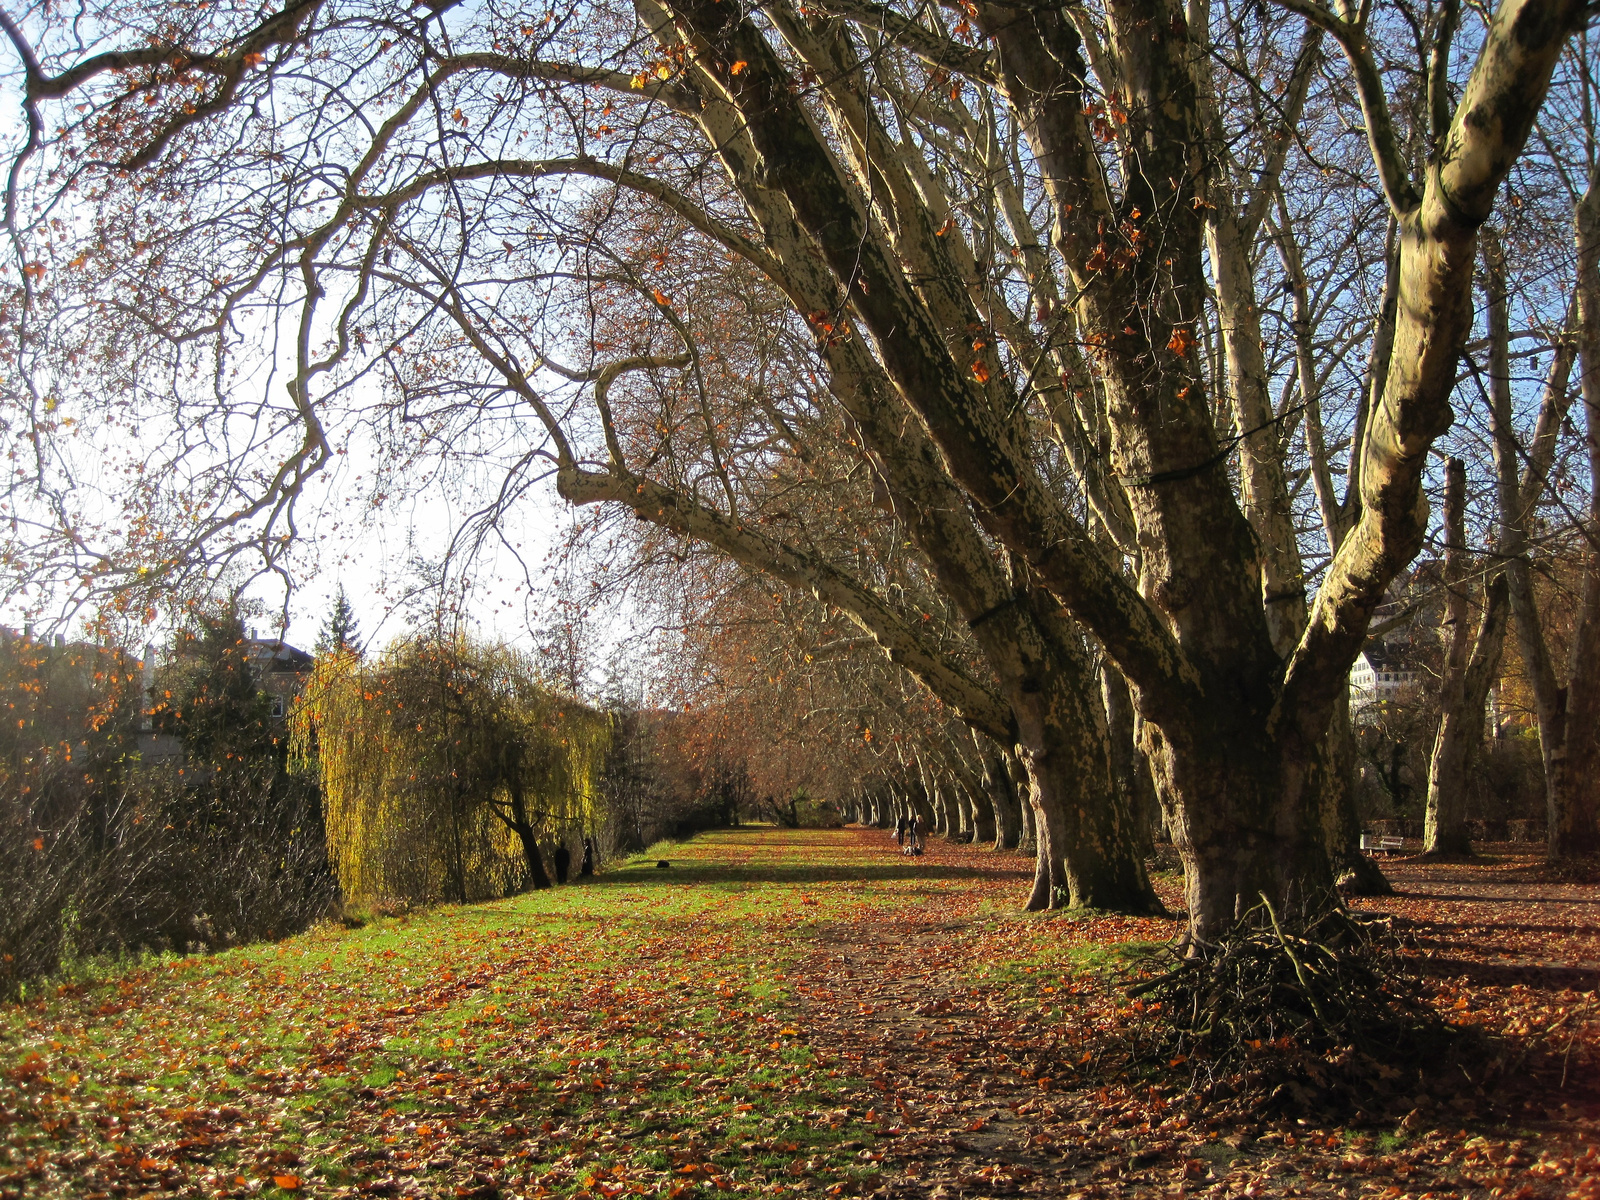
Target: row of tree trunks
(1030,644)
(1237,732)
(1238,735)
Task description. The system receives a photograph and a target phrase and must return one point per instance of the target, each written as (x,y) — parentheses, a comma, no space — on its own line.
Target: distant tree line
(102,852)
(437,770)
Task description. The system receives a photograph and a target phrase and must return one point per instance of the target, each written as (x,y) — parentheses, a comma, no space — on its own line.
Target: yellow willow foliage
(420,753)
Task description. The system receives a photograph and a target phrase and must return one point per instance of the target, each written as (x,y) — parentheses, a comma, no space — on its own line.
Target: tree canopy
(1031,339)
(443,766)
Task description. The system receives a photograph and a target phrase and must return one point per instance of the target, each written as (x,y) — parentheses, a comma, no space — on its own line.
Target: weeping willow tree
(444,765)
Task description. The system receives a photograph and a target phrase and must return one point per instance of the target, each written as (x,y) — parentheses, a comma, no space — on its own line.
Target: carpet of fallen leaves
(780,1012)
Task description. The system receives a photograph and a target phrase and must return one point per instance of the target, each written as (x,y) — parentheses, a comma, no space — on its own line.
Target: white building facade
(1380,676)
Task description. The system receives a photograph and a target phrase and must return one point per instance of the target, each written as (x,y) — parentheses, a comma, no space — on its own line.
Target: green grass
(635,1033)
(621,1025)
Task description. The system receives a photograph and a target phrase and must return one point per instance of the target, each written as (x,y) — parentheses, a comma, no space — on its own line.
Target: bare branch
(1381,139)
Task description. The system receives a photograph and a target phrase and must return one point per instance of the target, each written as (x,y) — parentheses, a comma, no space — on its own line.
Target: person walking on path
(900,831)
(563,858)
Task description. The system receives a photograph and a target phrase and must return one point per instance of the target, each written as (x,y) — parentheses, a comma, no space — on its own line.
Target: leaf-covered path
(777,1012)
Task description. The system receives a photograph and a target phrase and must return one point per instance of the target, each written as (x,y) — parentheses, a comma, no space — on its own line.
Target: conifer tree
(340,632)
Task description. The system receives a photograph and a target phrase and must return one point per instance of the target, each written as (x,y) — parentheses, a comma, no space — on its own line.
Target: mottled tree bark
(997,786)
(1023,790)
(1128,769)
(1464,686)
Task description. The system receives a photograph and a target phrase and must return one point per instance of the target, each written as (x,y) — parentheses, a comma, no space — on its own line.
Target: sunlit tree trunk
(1128,768)
(1020,787)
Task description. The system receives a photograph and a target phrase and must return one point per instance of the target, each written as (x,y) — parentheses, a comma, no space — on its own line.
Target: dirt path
(953,1106)
(976,1095)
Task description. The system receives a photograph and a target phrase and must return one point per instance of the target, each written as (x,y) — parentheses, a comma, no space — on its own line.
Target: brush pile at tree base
(1300,1011)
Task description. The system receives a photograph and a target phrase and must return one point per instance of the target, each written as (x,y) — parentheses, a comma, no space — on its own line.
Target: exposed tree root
(1359,875)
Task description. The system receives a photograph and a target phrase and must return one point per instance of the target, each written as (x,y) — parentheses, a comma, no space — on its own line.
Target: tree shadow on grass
(691,872)
(1540,977)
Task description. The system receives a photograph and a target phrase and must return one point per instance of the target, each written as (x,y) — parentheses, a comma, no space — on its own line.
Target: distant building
(1393,666)
(1383,673)
(82,672)
(281,671)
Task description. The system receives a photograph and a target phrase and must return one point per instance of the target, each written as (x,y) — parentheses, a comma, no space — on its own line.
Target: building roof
(1390,656)
(276,655)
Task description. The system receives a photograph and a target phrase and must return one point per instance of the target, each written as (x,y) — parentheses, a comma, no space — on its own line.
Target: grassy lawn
(776,1011)
(628,1033)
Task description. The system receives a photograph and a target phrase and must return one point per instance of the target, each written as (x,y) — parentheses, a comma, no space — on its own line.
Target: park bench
(1380,843)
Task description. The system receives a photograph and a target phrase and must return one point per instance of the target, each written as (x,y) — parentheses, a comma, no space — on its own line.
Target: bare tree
(1050,415)
(1567,710)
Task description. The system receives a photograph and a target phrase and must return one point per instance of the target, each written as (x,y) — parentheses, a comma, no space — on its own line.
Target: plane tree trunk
(996,783)
(1566,714)
(1464,689)
(1022,789)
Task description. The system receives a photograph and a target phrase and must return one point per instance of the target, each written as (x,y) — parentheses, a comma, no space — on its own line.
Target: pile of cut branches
(1309,1008)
